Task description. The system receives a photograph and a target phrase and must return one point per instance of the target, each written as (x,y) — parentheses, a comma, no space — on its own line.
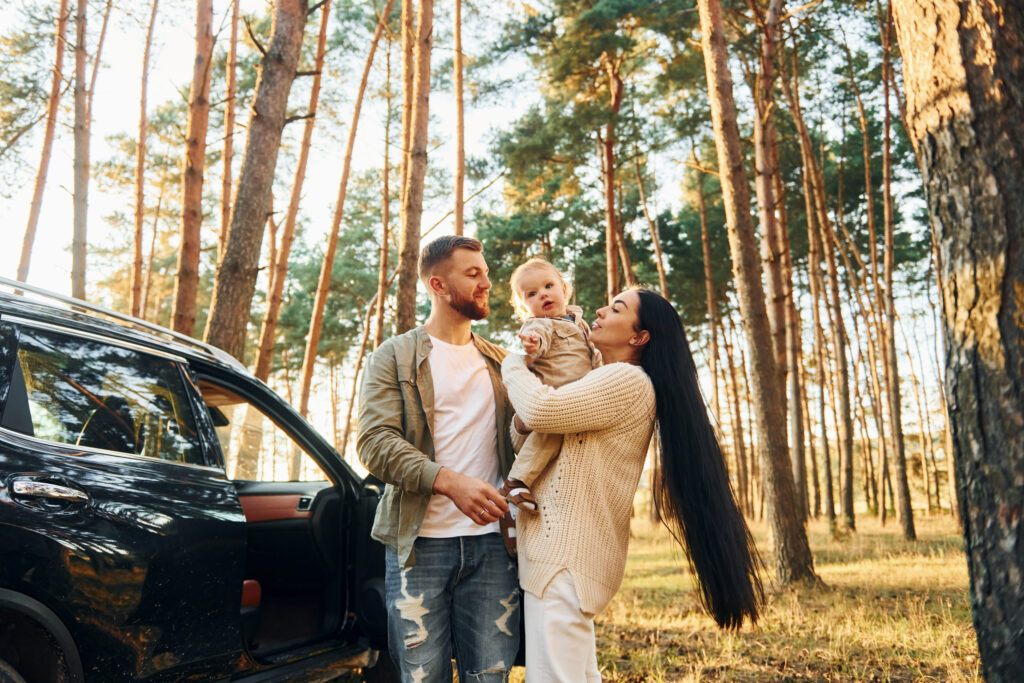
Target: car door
(298,497)
(116,511)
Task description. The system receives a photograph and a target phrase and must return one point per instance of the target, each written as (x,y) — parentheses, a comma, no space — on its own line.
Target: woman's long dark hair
(692,494)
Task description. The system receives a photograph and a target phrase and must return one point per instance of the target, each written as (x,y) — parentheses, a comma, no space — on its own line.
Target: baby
(558,351)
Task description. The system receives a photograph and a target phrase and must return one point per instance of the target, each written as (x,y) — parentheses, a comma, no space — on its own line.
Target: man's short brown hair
(441,249)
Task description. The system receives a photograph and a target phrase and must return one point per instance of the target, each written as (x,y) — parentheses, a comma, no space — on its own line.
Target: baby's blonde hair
(535,263)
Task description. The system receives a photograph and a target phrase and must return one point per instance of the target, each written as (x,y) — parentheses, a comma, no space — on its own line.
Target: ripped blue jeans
(460,599)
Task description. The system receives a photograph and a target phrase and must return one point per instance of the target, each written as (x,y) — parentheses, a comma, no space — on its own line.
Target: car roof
(20,300)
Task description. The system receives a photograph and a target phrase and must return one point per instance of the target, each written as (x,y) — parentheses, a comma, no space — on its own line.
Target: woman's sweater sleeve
(598,400)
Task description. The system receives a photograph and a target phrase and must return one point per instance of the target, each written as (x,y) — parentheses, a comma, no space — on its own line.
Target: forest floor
(890,610)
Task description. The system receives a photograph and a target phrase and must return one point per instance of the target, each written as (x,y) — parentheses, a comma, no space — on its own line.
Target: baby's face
(543,292)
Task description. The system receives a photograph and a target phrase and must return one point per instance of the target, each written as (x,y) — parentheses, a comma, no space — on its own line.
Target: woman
(573,555)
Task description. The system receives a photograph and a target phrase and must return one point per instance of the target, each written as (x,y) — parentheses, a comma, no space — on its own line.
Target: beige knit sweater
(586,495)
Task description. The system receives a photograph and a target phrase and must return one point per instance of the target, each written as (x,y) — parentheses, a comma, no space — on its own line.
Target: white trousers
(560,644)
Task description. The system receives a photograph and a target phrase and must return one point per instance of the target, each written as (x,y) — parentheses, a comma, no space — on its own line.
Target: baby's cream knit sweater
(586,495)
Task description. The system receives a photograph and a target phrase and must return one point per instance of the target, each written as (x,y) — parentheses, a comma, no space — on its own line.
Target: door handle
(47,489)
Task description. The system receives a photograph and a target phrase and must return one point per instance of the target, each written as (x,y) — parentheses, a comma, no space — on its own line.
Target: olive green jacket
(396,413)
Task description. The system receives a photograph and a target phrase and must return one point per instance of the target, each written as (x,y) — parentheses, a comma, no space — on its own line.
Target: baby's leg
(534,456)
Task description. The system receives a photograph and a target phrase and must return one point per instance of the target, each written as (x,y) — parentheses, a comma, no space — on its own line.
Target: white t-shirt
(464,432)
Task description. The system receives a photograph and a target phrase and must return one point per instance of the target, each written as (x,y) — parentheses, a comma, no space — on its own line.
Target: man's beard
(469,307)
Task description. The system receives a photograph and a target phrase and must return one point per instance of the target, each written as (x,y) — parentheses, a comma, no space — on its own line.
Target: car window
(255,447)
(90,393)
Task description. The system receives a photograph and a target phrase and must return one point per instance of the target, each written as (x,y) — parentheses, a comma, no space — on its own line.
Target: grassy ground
(890,610)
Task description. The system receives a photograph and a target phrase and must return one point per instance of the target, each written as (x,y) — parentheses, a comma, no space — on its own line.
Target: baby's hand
(531,345)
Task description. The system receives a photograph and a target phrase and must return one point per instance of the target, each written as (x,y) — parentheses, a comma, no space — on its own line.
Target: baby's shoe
(507,525)
(519,494)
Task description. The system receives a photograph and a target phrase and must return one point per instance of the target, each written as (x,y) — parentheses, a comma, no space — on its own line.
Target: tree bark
(327,267)
(709,290)
(771,242)
(268,329)
(186,284)
(81,164)
(140,172)
(385,215)
(412,206)
(44,155)
(905,512)
(792,552)
(229,132)
(460,124)
(962,64)
(739,444)
(236,273)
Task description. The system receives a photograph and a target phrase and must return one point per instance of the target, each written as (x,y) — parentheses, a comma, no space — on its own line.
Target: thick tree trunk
(44,155)
(771,241)
(327,267)
(236,273)
(268,329)
(412,195)
(81,164)
(186,286)
(792,552)
(229,132)
(962,64)
(140,172)
(460,124)
(905,512)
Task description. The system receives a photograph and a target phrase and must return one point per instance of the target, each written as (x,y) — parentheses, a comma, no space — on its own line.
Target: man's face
(465,278)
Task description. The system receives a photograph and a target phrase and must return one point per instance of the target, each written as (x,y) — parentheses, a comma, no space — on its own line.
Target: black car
(166,516)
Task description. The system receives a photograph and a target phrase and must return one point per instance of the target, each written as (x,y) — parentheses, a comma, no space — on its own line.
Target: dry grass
(891,610)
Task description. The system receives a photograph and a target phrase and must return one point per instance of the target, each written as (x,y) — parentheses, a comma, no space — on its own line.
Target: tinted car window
(97,395)
(255,446)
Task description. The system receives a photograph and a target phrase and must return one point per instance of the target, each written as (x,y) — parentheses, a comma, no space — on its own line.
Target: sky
(116,110)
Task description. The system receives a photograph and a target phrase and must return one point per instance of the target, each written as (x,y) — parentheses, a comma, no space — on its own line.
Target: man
(434,425)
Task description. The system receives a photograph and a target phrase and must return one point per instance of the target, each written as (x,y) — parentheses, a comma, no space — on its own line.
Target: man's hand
(477,499)
(531,345)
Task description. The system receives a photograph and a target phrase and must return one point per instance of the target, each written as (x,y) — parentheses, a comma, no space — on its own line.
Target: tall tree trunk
(905,512)
(814,278)
(327,267)
(812,454)
(771,242)
(460,124)
(793,554)
(961,66)
(412,195)
(229,132)
(385,214)
(44,155)
(709,290)
(659,261)
(819,208)
(140,172)
(737,430)
(236,273)
(148,281)
(355,377)
(81,189)
(268,329)
(186,284)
